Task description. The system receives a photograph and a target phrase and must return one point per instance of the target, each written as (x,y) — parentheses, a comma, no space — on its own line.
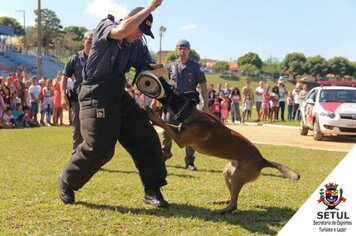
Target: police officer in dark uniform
(74,66)
(109,114)
(187,75)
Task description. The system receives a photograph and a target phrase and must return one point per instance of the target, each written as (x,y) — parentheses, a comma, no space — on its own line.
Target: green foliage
(271,66)
(340,66)
(12,22)
(111,202)
(51,28)
(76,32)
(316,66)
(221,66)
(294,63)
(249,69)
(193,55)
(250,58)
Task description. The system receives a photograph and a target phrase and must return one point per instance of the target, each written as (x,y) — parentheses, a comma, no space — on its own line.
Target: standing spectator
(57,106)
(266,98)
(259,92)
(274,103)
(246,110)
(247,90)
(224,107)
(2,106)
(211,96)
(218,89)
(235,105)
(303,92)
(282,98)
(186,74)
(34,91)
(290,104)
(47,103)
(296,99)
(73,69)
(216,109)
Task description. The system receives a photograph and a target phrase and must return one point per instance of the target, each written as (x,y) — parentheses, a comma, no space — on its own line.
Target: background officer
(187,75)
(109,114)
(74,66)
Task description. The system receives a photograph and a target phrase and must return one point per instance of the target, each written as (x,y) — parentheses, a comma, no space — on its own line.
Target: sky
(223,30)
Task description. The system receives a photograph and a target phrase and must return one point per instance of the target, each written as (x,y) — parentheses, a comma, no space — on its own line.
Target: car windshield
(337,95)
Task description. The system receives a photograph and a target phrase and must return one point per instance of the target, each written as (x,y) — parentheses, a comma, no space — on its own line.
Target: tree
(193,55)
(294,63)
(340,66)
(249,69)
(316,65)
(77,32)
(271,66)
(221,66)
(13,23)
(51,28)
(250,58)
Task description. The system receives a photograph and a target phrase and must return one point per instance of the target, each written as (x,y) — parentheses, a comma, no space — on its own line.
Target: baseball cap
(88,35)
(183,42)
(146,24)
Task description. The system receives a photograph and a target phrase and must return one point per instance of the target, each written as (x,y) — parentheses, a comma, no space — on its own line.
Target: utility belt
(106,88)
(72,95)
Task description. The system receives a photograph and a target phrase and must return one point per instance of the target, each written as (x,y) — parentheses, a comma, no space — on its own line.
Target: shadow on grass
(274,175)
(135,172)
(255,221)
(199,170)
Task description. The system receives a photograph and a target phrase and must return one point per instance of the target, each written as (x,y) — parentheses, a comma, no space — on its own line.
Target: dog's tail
(286,171)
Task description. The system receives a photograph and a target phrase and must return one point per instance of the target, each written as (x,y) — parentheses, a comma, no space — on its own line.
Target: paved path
(288,135)
(285,135)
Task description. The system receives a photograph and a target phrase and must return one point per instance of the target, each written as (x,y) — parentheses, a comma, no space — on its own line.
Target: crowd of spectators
(29,102)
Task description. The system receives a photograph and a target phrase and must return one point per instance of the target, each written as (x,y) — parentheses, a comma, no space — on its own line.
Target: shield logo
(332,196)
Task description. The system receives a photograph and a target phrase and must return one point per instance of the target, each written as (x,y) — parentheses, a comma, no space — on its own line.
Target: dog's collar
(185,111)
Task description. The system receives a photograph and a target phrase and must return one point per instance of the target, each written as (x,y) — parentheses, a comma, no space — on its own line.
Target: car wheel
(302,129)
(317,135)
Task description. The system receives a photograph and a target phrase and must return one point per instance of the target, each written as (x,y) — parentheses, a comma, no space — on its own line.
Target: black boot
(66,194)
(155,198)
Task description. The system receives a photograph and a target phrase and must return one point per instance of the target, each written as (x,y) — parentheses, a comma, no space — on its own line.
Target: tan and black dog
(206,134)
(209,136)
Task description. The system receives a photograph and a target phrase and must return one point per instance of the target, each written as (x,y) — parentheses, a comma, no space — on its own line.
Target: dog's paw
(220,202)
(153,117)
(225,210)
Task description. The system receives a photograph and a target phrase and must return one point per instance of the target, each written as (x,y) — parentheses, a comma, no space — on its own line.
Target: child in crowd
(266,97)
(216,109)
(47,103)
(290,104)
(224,110)
(8,119)
(246,110)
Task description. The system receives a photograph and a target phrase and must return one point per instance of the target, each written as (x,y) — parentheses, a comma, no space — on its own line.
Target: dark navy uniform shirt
(75,66)
(105,52)
(186,76)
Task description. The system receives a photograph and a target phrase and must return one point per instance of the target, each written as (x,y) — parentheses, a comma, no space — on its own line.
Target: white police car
(329,110)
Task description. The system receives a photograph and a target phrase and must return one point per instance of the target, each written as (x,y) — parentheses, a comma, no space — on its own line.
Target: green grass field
(111,203)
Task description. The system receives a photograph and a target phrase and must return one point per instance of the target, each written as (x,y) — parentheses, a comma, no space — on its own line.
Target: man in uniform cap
(74,67)
(109,114)
(187,75)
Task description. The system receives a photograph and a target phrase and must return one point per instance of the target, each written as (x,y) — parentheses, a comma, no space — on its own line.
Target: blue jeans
(235,112)
(48,111)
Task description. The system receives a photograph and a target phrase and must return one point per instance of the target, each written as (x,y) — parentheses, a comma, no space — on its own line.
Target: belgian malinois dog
(210,136)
